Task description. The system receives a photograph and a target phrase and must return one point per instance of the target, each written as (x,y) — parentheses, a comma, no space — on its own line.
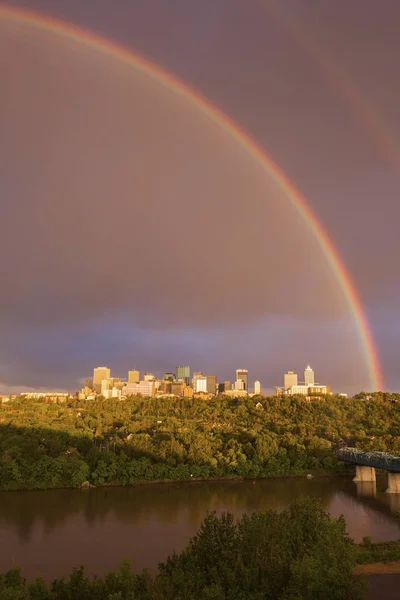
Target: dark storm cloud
(123,204)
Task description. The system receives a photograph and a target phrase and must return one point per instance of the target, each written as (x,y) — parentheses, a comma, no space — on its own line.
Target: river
(48,532)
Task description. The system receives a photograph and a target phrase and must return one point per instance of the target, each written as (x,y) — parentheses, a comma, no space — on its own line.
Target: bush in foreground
(298,554)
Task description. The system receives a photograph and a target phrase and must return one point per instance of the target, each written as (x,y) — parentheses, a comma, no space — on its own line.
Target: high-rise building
(105,386)
(100,373)
(196,375)
(212,384)
(133,376)
(308,376)
(257,388)
(290,379)
(243,375)
(183,374)
(177,388)
(201,384)
(149,377)
(227,386)
(239,385)
(169,377)
(89,383)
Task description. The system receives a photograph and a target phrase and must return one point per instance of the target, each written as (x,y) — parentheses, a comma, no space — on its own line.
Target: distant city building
(164,387)
(105,386)
(196,375)
(290,379)
(133,376)
(89,383)
(169,377)
(243,375)
(228,385)
(235,393)
(183,374)
(100,373)
(298,389)
(239,385)
(212,384)
(257,388)
(188,391)
(144,388)
(177,388)
(319,389)
(309,376)
(201,384)
(149,377)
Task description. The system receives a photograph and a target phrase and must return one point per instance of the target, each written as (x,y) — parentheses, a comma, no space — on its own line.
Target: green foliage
(107,442)
(369,552)
(299,554)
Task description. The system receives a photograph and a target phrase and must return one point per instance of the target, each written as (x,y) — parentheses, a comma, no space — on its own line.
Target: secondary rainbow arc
(129,57)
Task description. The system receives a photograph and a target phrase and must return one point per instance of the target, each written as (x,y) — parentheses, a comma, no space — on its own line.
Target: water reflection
(366,489)
(49,532)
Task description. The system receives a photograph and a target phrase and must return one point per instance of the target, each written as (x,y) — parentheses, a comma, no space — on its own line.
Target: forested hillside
(109,442)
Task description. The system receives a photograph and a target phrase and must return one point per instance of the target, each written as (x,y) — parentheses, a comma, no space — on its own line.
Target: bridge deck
(379,460)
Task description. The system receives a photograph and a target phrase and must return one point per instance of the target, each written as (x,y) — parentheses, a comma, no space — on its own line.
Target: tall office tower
(105,386)
(308,376)
(257,388)
(243,375)
(227,386)
(196,375)
(290,379)
(100,373)
(239,384)
(133,376)
(183,374)
(212,384)
(201,384)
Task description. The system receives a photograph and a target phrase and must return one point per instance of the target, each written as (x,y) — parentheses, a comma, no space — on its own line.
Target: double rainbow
(132,59)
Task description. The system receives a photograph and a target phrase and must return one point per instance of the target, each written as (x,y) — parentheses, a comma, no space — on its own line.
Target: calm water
(49,532)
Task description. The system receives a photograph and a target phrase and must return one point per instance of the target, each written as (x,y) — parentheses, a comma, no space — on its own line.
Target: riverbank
(145,482)
(380,568)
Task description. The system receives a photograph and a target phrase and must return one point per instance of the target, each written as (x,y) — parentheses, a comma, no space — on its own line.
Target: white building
(309,378)
(239,384)
(201,384)
(257,388)
(290,379)
(105,386)
(298,389)
(100,373)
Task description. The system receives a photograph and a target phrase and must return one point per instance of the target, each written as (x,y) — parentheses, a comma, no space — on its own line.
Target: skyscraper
(133,376)
(243,375)
(308,376)
(212,384)
(183,374)
(290,379)
(100,373)
(257,388)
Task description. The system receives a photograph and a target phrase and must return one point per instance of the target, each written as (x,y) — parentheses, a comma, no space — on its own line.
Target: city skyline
(169,228)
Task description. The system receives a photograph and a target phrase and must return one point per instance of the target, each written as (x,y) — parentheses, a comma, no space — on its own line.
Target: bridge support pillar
(393,483)
(364,473)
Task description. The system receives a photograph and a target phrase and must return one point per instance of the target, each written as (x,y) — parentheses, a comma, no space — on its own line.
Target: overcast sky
(134,231)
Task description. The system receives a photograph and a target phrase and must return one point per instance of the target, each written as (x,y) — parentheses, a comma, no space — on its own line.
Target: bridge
(367,462)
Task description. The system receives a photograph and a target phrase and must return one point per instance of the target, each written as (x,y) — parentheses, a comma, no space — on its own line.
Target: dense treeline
(299,554)
(105,442)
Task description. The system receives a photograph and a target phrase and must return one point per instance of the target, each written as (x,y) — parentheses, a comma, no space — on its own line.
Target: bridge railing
(379,460)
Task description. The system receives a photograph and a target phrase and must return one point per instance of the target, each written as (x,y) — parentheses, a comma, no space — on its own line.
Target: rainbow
(132,59)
